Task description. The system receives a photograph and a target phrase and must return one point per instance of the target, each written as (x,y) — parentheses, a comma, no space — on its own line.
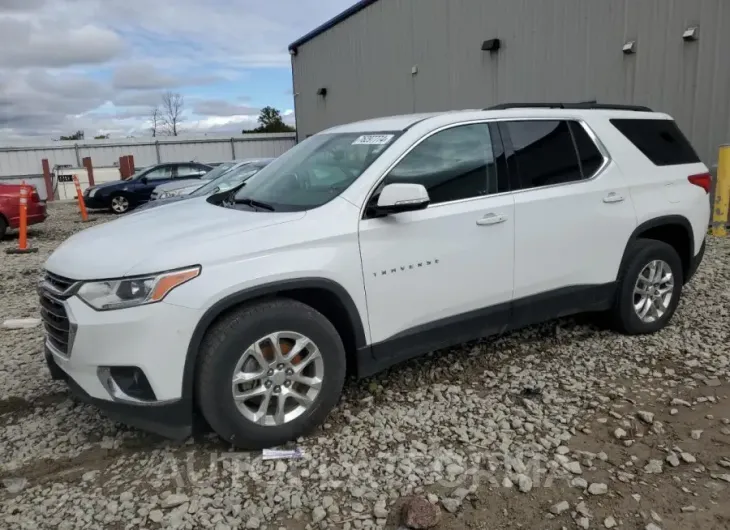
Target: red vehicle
(10,207)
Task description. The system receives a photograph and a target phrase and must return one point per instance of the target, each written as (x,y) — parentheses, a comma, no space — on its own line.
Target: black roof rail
(586,105)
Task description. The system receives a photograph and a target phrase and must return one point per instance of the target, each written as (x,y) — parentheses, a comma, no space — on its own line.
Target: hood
(157,237)
(109,184)
(161,202)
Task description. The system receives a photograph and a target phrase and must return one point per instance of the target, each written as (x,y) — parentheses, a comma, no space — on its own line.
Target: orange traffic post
(80,197)
(23,224)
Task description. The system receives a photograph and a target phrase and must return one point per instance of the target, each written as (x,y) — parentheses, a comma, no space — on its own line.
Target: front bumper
(96,202)
(172,420)
(153,339)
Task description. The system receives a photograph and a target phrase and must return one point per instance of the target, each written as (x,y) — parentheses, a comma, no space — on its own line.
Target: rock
(598,488)
(653,467)
(506,482)
(680,402)
(327,501)
(280,467)
(15,485)
(418,513)
(619,433)
(22,323)
(358,507)
(652,526)
(655,516)
(90,475)
(562,450)
(688,509)
(673,412)
(602,456)
(318,514)
(713,382)
(156,516)
(697,434)
(557,509)
(573,467)
(646,417)
(451,505)
(579,482)
(609,522)
(253,523)
(688,458)
(582,509)
(126,496)
(673,460)
(725,477)
(380,511)
(454,470)
(171,501)
(524,483)
(583,522)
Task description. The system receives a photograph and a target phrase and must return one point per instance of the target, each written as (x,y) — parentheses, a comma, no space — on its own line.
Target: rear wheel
(650,286)
(269,373)
(119,204)
(3,227)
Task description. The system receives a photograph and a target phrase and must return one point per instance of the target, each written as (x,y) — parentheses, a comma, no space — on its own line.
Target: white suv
(368,244)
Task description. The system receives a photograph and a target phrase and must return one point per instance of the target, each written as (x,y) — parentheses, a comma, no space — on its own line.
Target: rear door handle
(492,219)
(613,197)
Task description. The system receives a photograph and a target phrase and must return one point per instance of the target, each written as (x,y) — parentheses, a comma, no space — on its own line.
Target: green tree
(101,137)
(270,121)
(78,135)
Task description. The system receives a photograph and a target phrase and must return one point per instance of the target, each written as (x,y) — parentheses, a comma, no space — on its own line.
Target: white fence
(24,162)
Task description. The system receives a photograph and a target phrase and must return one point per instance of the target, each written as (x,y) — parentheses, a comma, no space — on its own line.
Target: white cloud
(99,65)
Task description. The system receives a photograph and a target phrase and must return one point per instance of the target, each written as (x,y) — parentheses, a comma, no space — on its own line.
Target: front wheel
(650,285)
(119,204)
(269,373)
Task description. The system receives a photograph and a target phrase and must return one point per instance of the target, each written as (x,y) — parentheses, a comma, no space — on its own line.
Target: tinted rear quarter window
(590,157)
(661,141)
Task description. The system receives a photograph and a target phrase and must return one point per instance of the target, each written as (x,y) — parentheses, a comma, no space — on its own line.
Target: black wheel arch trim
(260,291)
(665,220)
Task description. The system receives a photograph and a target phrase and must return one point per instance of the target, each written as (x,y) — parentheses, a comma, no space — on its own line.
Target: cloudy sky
(100,65)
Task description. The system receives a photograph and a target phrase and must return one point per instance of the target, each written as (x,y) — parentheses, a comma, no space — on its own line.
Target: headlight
(131,292)
(93,192)
(172,193)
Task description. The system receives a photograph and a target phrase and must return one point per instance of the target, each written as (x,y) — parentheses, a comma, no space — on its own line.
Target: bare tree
(172,109)
(155,118)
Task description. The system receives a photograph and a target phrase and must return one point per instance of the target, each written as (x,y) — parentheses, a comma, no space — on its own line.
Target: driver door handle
(492,219)
(613,197)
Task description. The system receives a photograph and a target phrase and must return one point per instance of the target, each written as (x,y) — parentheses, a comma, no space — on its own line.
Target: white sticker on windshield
(373,139)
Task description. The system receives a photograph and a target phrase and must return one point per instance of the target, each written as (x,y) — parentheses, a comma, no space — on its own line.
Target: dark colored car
(10,207)
(124,195)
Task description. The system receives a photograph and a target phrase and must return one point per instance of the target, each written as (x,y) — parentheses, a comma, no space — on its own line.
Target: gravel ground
(562,425)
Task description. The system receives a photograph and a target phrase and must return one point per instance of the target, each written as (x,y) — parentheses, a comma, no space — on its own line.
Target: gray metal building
(384,57)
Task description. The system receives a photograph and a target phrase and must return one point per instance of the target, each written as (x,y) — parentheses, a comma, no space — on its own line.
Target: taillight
(703,180)
(34,197)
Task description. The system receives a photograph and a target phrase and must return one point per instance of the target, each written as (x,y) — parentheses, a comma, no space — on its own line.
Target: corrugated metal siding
(559,50)
(26,160)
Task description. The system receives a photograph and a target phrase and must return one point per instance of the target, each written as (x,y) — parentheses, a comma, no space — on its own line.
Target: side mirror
(397,198)
(143,180)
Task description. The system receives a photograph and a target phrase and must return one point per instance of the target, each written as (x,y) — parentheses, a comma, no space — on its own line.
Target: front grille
(59,330)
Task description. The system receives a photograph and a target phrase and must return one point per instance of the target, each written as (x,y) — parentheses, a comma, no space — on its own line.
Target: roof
(362,4)
(406,121)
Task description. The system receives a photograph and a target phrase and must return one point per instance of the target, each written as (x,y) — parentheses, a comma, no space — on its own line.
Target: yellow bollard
(722,193)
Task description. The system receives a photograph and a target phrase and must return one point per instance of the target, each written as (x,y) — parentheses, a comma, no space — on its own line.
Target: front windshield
(139,173)
(315,171)
(229,180)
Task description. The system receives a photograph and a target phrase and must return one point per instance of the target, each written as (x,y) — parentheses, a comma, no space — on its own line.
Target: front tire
(650,285)
(269,373)
(119,204)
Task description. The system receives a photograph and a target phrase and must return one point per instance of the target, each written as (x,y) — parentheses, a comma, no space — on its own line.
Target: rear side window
(543,153)
(590,157)
(661,141)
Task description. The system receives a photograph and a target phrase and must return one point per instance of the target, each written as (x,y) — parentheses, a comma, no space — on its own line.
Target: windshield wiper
(256,204)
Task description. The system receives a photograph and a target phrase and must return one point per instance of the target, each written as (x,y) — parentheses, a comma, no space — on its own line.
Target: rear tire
(237,346)
(649,288)
(3,227)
